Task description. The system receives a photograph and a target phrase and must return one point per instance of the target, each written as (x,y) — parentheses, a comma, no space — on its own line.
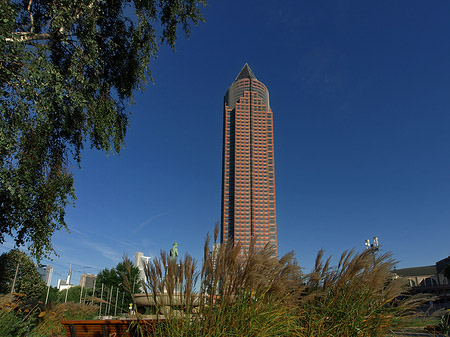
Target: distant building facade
(248,174)
(87,280)
(429,280)
(140,261)
(45,271)
(65,284)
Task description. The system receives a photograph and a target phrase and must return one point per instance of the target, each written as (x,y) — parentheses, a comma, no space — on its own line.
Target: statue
(174,251)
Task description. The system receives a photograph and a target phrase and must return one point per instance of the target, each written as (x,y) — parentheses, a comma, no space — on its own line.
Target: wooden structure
(106,328)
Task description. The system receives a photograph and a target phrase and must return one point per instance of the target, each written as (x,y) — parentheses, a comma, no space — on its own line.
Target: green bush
(16,319)
(49,323)
(12,324)
(444,324)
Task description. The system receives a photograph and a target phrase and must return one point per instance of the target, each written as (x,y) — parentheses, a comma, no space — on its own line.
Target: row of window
(245,105)
(258,130)
(245,117)
(270,184)
(258,114)
(255,119)
(245,216)
(247,237)
(244,165)
(256,127)
(246,182)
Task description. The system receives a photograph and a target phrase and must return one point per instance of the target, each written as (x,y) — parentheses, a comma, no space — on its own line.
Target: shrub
(49,323)
(359,297)
(444,324)
(16,319)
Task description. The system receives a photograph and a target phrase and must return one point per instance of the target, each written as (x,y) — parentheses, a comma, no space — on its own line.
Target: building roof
(416,271)
(246,72)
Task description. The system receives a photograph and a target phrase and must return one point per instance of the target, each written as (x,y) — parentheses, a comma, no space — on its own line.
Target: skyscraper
(45,272)
(248,177)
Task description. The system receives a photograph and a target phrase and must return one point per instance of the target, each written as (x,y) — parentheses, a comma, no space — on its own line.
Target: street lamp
(372,246)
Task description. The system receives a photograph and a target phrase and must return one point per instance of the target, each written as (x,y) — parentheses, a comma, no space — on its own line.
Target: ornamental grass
(258,294)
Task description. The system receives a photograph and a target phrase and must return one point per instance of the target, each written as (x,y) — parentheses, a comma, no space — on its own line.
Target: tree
(73,295)
(114,277)
(28,280)
(52,295)
(68,70)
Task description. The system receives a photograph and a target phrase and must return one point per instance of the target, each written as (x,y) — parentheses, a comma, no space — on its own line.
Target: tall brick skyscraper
(248,185)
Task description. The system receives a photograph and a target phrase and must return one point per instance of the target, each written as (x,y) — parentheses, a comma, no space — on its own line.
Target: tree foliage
(28,280)
(68,70)
(114,277)
(73,295)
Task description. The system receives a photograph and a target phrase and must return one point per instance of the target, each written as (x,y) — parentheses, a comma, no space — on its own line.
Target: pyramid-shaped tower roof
(246,72)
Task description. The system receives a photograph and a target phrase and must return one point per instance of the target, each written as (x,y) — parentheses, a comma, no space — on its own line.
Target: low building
(429,280)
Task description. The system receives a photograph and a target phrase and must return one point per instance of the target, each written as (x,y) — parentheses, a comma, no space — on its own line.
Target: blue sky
(360,92)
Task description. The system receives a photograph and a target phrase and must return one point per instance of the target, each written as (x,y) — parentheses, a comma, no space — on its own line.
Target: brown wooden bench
(105,328)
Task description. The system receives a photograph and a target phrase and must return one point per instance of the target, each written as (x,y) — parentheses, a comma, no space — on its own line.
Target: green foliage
(11,324)
(28,281)
(17,315)
(52,295)
(49,323)
(73,295)
(68,70)
(120,277)
(444,324)
(114,277)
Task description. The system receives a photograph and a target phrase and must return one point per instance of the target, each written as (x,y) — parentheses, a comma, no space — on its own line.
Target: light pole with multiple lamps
(372,246)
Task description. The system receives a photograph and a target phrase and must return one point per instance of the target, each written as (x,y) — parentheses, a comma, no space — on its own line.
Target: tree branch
(27,36)
(31,16)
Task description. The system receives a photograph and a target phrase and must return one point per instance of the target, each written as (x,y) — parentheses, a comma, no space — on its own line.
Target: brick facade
(248,185)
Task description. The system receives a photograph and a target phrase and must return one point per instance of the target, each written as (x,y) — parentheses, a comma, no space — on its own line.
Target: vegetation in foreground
(20,316)
(257,296)
(265,296)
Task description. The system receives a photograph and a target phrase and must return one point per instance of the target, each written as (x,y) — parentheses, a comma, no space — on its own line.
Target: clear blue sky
(360,92)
